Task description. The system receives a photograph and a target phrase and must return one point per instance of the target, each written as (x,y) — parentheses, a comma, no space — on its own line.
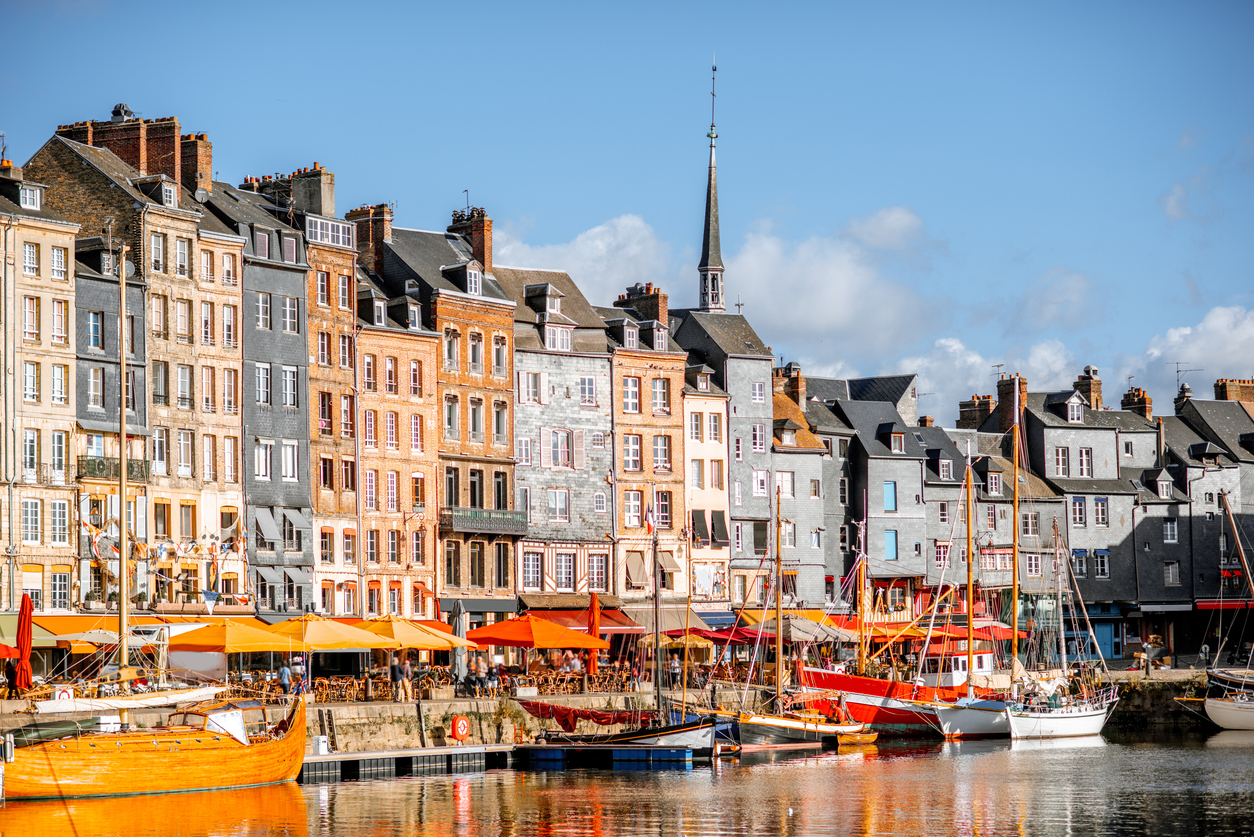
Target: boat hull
(889,708)
(1063,722)
(154,761)
(697,736)
(973,719)
(1228,713)
(778,731)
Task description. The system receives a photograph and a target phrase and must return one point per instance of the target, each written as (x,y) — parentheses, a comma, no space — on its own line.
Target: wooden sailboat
(207,746)
(782,728)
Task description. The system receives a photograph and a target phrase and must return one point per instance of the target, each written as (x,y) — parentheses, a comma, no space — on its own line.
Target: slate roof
(1093,486)
(241,207)
(1227,421)
(1031,486)
(937,444)
(730,332)
(821,417)
(1125,420)
(1186,444)
(1038,404)
(424,253)
(789,415)
(8,207)
(890,388)
(865,417)
(827,389)
(1148,479)
(589,333)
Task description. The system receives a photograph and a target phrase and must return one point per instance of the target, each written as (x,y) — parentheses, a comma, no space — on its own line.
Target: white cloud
(1220,346)
(891,228)
(603,261)
(1174,202)
(1060,298)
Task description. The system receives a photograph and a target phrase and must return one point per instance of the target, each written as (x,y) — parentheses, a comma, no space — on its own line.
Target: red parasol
(594,629)
(8,652)
(25,639)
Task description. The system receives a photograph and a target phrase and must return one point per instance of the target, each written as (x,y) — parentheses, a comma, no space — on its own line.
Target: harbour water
(1112,786)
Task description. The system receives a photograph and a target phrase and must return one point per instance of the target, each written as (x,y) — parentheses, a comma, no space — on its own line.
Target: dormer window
(1164,489)
(946,469)
(29,197)
(474,282)
(555,304)
(413,316)
(994,483)
(703,382)
(631,337)
(899,443)
(789,437)
(1075,412)
(659,340)
(380,313)
(169,195)
(557,339)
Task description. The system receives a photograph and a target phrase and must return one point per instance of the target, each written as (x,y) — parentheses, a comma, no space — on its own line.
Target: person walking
(394,676)
(407,683)
(481,674)
(675,671)
(10,675)
(285,678)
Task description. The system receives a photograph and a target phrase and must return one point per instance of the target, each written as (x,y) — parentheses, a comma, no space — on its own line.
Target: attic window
(557,338)
(413,316)
(899,443)
(289,249)
(169,196)
(703,382)
(789,437)
(659,340)
(29,197)
(262,245)
(630,337)
(994,483)
(555,304)
(474,282)
(1075,413)
(380,313)
(946,469)
(1164,489)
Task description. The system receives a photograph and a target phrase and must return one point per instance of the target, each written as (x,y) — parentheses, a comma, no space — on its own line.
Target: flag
(648,519)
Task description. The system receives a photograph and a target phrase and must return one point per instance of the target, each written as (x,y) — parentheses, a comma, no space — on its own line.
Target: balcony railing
(490,521)
(109,468)
(47,475)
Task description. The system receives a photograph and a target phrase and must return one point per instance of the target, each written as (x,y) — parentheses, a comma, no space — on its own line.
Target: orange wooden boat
(209,746)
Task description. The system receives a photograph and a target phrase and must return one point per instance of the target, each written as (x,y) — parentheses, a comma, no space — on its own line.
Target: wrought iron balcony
(486,521)
(109,468)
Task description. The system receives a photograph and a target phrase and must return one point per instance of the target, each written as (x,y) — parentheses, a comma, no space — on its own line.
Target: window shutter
(579,457)
(546,449)
(544,388)
(520,388)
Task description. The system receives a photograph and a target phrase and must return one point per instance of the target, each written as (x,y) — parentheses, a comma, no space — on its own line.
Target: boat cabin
(243,720)
(950,668)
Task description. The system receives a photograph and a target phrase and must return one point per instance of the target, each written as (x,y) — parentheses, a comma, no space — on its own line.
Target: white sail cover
(140,701)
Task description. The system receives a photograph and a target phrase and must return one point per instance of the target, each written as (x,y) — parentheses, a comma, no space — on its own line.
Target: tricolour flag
(648,519)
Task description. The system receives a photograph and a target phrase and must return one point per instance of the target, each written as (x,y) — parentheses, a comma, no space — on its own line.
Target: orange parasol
(410,635)
(320,633)
(594,628)
(528,631)
(234,638)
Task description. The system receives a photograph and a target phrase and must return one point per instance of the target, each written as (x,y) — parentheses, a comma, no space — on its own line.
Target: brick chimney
(1006,401)
(648,301)
(788,380)
(1185,394)
(1090,386)
(153,146)
(971,414)
(313,190)
(927,421)
(1233,389)
(476,226)
(197,162)
(1137,400)
(10,171)
(374,226)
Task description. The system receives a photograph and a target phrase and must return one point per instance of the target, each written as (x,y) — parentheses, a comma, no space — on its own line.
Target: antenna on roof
(467,193)
(1130,377)
(1179,371)
(997,367)
(4,145)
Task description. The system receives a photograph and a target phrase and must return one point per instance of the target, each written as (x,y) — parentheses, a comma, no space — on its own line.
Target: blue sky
(914,186)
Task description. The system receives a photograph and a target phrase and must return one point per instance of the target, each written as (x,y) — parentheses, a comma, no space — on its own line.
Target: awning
(719,520)
(1217,604)
(718,619)
(374,584)
(1171,607)
(669,564)
(675,617)
(298,575)
(112,427)
(480,605)
(348,585)
(421,587)
(612,621)
(297,519)
(265,522)
(395,585)
(700,532)
(41,637)
(636,571)
(270,574)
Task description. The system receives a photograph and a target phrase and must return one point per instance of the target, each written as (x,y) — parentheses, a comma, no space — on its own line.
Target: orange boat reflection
(274,809)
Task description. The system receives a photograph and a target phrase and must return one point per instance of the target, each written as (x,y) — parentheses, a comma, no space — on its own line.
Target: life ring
(461,727)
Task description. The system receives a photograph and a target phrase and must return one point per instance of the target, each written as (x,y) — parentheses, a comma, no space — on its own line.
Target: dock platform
(613,756)
(380,764)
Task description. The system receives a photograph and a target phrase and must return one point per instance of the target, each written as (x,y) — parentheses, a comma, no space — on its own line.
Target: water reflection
(1185,785)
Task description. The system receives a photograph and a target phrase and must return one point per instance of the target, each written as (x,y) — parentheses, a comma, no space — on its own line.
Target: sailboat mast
(1062,627)
(1014,548)
(124,576)
(1236,537)
(657,615)
(779,605)
(862,592)
(970,572)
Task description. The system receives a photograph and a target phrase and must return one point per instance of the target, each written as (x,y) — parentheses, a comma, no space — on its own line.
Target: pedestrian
(675,671)
(407,683)
(635,675)
(481,674)
(394,675)
(10,674)
(285,678)
(298,668)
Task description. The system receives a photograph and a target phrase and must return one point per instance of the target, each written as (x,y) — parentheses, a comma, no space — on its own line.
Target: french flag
(648,519)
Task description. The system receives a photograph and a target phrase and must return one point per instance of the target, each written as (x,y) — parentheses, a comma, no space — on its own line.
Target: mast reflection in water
(1088,786)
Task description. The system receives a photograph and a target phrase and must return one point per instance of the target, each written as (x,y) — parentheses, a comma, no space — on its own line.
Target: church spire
(711,266)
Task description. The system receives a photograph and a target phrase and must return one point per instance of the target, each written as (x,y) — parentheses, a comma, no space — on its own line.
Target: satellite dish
(130,268)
